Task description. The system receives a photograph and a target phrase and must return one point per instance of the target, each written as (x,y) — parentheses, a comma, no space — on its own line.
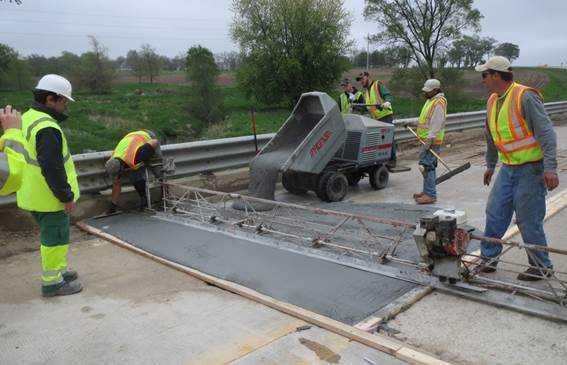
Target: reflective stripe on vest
(516,144)
(425,118)
(35,194)
(129,145)
(372,96)
(12,161)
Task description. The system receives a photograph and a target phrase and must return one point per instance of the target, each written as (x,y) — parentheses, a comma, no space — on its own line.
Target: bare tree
(151,61)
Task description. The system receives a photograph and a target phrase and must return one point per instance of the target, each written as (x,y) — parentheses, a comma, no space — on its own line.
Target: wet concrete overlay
(331,289)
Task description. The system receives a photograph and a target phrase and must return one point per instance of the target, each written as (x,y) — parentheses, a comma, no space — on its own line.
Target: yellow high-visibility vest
(12,161)
(372,96)
(35,195)
(129,145)
(346,104)
(515,142)
(424,123)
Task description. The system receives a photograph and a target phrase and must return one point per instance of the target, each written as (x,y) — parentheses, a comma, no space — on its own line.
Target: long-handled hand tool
(452,172)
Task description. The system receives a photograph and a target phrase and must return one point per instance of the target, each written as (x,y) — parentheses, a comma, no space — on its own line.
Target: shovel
(449,174)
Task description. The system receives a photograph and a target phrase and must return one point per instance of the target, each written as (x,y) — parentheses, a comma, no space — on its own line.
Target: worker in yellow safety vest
(131,157)
(350,96)
(50,188)
(431,130)
(379,104)
(520,134)
(12,150)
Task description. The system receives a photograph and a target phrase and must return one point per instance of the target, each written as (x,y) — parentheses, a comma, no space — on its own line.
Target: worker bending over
(520,134)
(12,161)
(431,130)
(379,104)
(50,188)
(131,157)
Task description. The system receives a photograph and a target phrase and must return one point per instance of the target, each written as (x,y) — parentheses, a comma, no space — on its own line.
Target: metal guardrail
(228,153)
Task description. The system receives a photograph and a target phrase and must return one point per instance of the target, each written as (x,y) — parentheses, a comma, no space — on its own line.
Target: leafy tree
(135,63)
(7,56)
(151,61)
(95,70)
(206,100)
(423,26)
(469,51)
(509,50)
(290,47)
(14,72)
(397,56)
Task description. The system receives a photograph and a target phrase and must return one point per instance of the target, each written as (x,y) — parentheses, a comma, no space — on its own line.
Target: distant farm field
(97,122)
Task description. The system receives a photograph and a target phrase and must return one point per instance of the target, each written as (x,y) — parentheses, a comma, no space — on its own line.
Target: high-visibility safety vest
(346,104)
(427,111)
(128,146)
(35,195)
(12,161)
(514,141)
(372,96)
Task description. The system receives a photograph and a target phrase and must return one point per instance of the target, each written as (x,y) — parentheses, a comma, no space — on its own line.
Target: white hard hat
(57,84)
(431,85)
(496,63)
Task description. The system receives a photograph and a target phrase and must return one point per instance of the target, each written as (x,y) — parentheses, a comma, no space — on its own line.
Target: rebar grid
(350,234)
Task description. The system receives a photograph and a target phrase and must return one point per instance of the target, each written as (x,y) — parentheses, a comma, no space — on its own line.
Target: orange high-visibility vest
(425,118)
(515,142)
(128,146)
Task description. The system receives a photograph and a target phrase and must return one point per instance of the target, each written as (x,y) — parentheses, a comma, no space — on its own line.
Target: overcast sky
(49,27)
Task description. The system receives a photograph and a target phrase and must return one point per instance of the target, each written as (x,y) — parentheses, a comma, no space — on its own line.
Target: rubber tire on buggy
(354,178)
(332,187)
(288,182)
(379,177)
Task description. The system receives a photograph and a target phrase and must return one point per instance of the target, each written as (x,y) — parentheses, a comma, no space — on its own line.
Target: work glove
(386,105)
(351,97)
(403,124)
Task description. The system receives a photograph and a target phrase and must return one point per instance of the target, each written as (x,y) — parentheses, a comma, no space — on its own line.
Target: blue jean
(429,163)
(520,189)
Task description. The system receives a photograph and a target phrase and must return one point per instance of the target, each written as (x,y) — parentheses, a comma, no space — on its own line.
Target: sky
(48,27)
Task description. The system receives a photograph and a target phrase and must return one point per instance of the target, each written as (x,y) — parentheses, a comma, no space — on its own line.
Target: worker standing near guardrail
(520,134)
(50,187)
(12,162)
(130,157)
(431,130)
(379,104)
(349,96)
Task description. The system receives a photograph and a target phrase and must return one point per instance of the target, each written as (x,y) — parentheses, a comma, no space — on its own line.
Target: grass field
(97,122)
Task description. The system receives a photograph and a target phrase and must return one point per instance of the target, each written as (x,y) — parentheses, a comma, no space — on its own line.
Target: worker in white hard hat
(49,187)
(431,131)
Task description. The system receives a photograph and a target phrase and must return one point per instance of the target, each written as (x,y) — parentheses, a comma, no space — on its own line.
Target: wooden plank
(396,307)
(414,357)
(378,342)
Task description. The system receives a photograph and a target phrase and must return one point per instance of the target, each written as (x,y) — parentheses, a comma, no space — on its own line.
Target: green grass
(556,88)
(98,122)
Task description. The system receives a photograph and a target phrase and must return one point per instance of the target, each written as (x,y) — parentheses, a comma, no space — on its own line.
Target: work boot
(534,274)
(68,288)
(417,195)
(425,199)
(487,269)
(70,275)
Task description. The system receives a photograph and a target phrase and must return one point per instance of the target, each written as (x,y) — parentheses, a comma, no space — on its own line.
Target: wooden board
(378,342)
